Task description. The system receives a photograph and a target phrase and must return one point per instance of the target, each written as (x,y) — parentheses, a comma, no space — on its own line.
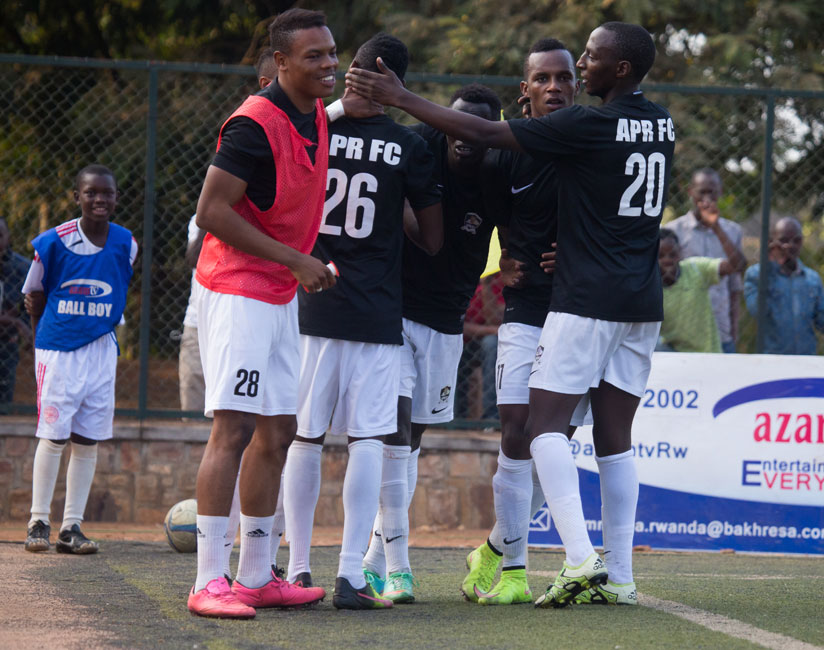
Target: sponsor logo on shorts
(436,411)
(446,391)
(51,414)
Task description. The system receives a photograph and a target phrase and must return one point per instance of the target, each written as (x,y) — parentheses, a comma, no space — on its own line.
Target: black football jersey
(613,163)
(374,164)
(437,289)
(532,197)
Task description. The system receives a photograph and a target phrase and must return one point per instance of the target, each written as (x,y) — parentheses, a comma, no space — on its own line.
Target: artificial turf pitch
(135,592)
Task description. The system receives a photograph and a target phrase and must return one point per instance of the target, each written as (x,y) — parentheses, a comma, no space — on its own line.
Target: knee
(233,432)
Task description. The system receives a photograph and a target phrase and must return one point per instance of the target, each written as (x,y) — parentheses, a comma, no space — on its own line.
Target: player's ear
(623,69)
(280,60)
(76,196)
(524,86)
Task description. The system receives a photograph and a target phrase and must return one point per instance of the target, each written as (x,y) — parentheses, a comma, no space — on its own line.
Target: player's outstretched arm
(221,190)
(385,88)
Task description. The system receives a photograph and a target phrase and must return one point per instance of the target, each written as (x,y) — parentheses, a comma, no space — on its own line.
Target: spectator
(689,324)
(189,367)
(13,269)
(795,297)
(697,239)
(483,317)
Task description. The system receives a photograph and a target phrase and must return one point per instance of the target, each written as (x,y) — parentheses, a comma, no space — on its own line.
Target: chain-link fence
(155,125)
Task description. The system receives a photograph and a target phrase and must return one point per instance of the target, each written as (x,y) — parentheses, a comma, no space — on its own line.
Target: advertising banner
(730,455)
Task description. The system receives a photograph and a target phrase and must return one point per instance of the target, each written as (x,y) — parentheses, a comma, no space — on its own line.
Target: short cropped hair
(705,171)
(666,233)
(635,45)
(265,64)
(93,170)
(545,45)
(282,29)
(392,51)
(479,94)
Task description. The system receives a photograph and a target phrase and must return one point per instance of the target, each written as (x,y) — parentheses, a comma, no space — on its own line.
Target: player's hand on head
(526,107)
(548,259)
(35,303)
(313,274)
(358,107)
(512,274)
(383,87)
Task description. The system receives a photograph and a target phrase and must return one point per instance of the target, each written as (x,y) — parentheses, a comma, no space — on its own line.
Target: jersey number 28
(354,203)
(650,171)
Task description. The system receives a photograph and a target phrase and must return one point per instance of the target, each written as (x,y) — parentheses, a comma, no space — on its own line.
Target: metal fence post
(766,202)
(148,236)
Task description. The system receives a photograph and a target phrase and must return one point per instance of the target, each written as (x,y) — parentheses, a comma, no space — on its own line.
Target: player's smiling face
(96,195)
(307,71)
(550,82)
(464,157)
(599,63)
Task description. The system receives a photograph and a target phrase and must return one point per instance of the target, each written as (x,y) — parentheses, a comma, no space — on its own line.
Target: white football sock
(394,507)
(412,473)
(361,491)
(375,559)
(211,533)
(512,491)
(231,529)
(538,499)
(253,568)
(79,478)
(619,498)
(301,487)
(44,476)
(278,526)
(559,480)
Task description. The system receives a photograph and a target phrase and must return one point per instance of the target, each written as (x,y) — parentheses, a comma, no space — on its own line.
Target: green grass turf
(136,593)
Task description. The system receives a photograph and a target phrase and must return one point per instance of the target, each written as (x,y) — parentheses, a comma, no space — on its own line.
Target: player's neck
(619,90)
(304,103)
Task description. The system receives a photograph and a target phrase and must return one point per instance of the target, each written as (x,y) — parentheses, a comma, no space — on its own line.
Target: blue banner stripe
(802,387)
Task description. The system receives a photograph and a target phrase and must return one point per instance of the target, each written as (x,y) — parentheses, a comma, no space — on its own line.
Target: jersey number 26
(354,202)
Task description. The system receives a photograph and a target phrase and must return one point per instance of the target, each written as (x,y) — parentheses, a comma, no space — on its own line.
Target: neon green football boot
(483,565)
(512,589)
(571,581)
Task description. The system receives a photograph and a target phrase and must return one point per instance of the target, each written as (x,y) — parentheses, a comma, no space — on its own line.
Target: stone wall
(149,466)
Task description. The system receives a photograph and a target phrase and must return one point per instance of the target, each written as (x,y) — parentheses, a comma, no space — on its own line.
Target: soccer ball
(181,526)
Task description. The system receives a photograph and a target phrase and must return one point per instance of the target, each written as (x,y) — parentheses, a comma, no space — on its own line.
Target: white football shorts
(575,353)
(250,351)
(75,390)
(429,370)
(348,387)
(517,343)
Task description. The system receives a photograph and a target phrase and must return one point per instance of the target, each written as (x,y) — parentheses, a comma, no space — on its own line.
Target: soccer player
(614,165)
(75,294)
(261,205)
(351,336)
(436,294)
(549,85)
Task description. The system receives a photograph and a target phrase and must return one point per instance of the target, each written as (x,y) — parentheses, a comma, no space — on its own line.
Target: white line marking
(728,626)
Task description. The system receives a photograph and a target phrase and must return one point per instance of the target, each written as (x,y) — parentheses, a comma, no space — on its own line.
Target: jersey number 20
(651,170)
(354,203)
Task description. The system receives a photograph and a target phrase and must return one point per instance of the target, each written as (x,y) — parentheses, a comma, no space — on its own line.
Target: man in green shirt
(689,323)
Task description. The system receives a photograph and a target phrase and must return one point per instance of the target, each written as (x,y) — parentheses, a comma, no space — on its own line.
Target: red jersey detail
(293,219)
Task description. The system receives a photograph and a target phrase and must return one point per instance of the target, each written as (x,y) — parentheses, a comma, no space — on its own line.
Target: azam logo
(539,353)
(90,288)
(471,223)
(445,393)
